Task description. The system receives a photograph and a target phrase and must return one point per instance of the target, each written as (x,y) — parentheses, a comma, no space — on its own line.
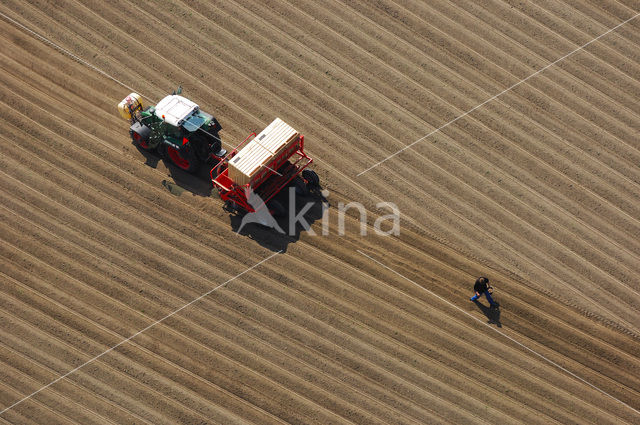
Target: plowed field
(537,188)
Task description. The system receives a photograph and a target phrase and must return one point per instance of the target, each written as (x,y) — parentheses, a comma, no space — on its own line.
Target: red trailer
(264,164)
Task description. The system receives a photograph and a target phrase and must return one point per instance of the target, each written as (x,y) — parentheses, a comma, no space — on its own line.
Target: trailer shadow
(291,229)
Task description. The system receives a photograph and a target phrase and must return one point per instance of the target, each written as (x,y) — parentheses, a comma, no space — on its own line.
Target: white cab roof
(175,109)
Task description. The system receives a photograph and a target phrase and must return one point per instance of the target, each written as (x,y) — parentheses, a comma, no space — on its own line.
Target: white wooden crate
(252,159)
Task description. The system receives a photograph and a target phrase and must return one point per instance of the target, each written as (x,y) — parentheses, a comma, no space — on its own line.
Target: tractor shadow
(198,184)
(493,314)
(273,239)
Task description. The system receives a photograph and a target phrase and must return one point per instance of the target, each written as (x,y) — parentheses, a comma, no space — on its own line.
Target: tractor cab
(190,124)
(175,110)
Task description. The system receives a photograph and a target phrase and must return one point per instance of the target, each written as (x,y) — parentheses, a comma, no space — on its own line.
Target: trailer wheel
(275,208)
(301,188)
(185,159)
(313,181)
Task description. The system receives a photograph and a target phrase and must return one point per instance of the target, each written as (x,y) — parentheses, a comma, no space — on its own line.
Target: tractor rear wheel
(184,159)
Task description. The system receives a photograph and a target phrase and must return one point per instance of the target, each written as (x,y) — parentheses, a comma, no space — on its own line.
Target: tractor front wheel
(184,159)
(140,134)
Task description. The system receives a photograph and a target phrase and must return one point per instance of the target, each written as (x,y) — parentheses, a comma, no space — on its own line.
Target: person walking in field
(482,286)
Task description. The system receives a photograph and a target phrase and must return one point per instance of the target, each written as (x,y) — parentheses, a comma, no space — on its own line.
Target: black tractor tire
(185,158)
(312,179)
(301,188)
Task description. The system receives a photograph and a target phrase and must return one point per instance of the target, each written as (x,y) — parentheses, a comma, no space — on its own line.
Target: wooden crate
(251,162)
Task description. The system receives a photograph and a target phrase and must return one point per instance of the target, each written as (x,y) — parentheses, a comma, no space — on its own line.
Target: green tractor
(176,129)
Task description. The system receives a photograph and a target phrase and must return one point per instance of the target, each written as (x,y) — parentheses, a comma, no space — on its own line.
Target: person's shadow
(493,314)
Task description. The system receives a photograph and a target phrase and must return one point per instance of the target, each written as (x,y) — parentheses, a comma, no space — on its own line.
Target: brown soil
(538,189)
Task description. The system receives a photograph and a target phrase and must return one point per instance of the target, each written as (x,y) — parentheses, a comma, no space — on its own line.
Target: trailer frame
(270,182)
